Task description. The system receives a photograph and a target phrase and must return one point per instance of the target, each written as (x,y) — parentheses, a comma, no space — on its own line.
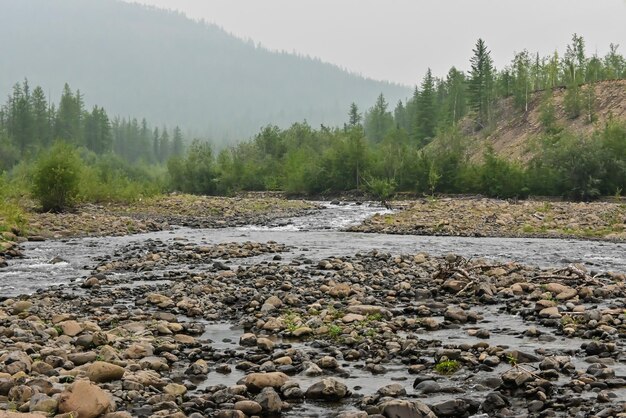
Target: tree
(20,118)
(426,111)
(522,84)
(41,118)
(378,120)
(480,85)
(455,103)
(98,131)
(354,117)
(68,123)
(178,147)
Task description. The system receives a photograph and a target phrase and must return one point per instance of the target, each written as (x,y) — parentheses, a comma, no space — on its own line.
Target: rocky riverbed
(173,328)
(149,215)
(501,218)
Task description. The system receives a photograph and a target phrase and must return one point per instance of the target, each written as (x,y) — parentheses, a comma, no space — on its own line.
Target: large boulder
(86,400)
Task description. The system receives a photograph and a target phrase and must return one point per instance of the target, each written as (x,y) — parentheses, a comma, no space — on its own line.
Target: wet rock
(451,408)
(247,340)
(327,389)
(269,401)
(249,407)
(516,377)
(255,382)
(405,409)
(265,344)
(328,362)
(85,399)
(494,402)
(456,315)
(394,390)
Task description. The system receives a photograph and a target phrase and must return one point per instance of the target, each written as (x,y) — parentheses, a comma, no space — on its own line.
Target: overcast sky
(397,40)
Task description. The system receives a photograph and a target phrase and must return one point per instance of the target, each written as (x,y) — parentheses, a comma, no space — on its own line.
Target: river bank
(480,217)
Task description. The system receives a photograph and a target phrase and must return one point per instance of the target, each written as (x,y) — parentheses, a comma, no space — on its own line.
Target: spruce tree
(481,83)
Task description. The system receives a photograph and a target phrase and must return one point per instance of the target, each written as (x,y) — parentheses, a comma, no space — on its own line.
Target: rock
(328,362)
(370,310)
(145,378)
(451,408)
(175,389)
(551,312)
(86,400)
(42,403)
(101,372)
(352,317)
(91,282)
(456,315)
(249,407)
(302,331)
(137,351)
(516,377)
(394,390)
(247,340)
(161,301)
(341,290)
(313,370)
(71,328)
(269,401)
(10,414)
(21,306)
(405,409)
(430,324)
(265,344)
(327,389)
(255,382)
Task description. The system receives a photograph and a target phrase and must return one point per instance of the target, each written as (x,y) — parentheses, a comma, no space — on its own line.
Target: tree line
(29,123)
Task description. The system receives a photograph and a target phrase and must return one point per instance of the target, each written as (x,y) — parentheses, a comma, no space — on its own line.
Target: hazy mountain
(144,62)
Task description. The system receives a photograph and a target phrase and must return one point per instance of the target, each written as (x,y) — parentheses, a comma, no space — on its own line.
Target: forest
(421,145)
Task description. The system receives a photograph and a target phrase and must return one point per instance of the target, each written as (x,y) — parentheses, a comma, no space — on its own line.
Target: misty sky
(397,40)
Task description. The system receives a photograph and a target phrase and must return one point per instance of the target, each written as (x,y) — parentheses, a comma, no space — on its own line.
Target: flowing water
(315,236)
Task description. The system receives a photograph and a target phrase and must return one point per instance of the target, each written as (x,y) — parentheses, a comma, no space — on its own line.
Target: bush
(56,178)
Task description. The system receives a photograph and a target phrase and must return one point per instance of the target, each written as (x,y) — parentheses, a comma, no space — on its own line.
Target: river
(314,236)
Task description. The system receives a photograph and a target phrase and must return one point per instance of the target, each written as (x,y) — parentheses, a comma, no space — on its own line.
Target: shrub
(56,178)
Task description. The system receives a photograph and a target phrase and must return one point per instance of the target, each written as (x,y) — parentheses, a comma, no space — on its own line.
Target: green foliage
(196,173)
(381,189)
(334,331)
(547,114)
(447,367)
(56,178)
(109,178)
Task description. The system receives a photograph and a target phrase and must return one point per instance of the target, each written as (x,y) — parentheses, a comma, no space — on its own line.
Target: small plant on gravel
(58,329)
(511,360)
(447,366)
(335,331)
(374,317)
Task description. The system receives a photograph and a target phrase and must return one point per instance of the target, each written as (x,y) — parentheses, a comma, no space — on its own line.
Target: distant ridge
(141,61)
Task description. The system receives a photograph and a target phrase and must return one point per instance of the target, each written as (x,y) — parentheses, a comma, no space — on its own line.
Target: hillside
(145,62)
(515,130)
